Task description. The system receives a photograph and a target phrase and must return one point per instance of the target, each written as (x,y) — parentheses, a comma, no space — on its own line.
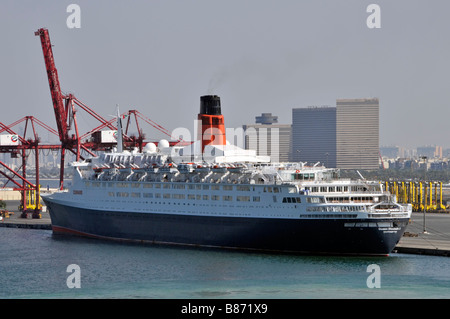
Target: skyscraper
(269,138)
(314,135)
(357,133)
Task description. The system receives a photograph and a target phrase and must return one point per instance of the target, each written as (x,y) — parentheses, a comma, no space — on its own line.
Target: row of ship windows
(294,200)
(183,196)
(340,189)
(329,216)
(208,205)
(361,199)
(246,188)
(335,208)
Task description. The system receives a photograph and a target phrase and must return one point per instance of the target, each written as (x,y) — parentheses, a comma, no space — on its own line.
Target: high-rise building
(345,136)
(269,138)
(357,133)
(314,135)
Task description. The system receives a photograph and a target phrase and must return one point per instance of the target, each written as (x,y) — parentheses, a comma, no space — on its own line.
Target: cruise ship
(214,194)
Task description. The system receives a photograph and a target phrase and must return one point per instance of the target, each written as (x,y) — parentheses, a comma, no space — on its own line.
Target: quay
(433,239)
(15,221)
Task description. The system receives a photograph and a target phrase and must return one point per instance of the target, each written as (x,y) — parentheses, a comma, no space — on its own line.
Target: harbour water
(34,264)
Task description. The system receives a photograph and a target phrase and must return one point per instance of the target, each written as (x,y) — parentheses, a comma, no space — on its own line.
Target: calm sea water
(33,264)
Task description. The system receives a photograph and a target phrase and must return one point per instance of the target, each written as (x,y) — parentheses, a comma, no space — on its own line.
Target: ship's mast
(119,132)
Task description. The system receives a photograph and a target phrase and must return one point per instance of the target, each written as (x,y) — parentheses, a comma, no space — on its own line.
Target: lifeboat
(219,168)
(202,168)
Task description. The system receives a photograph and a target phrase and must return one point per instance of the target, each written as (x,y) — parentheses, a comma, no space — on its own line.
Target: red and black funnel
(211,130)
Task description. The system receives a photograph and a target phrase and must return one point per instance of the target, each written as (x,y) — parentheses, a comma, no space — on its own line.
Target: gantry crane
(65,114)
(18,146)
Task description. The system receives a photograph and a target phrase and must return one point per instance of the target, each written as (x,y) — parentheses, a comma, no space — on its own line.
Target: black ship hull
(308,236)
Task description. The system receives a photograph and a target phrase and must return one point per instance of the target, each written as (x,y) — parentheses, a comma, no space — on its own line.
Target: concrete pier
(16,221)
(433,239)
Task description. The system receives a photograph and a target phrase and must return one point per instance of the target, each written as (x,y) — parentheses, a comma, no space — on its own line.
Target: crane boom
(65,113)
(53,80)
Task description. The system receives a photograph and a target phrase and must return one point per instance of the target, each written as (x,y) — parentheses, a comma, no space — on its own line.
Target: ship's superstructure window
(292,200)
(315,200)
(271,189)
(227,198)
(303,176)
(122,194)
(243,198)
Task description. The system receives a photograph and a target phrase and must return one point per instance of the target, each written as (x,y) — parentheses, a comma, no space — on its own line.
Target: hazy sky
(159,57)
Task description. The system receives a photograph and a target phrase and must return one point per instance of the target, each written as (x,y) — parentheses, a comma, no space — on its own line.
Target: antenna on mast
(119,131)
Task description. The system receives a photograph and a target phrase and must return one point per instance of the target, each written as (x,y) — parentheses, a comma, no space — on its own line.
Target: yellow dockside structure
(423,195)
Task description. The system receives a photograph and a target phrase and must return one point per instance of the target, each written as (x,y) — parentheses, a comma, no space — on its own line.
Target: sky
(259,56)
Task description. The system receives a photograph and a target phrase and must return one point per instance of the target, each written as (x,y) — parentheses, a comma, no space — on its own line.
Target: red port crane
(18,146)
(65,114)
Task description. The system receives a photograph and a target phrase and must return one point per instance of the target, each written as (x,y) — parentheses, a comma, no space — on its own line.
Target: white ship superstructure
(118,181)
